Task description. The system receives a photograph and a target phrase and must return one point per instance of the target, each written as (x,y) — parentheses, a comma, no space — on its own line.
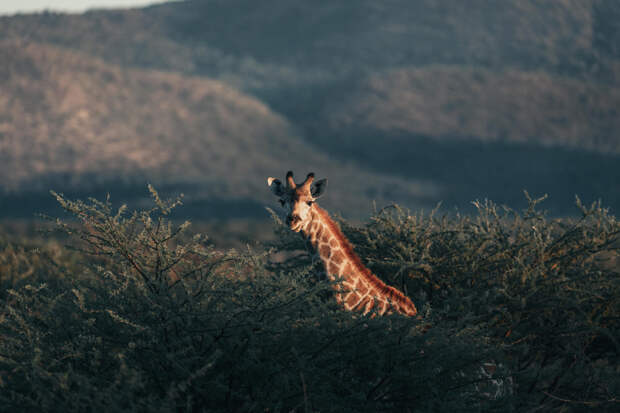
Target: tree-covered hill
(449,102)
(66,113)
(544,62)
(526,91)
(561,36)
(73,122)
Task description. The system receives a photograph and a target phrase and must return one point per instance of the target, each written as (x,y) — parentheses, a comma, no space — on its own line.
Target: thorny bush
(136,314)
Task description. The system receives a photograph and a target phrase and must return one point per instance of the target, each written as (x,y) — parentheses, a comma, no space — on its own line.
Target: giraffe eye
(309,203)
(282,202)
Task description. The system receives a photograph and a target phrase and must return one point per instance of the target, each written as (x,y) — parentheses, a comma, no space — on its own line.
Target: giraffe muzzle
(293,220)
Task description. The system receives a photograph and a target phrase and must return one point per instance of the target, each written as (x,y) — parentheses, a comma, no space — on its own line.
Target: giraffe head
(297,200)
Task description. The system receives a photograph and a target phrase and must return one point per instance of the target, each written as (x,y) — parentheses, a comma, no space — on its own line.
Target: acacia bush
(140,315)
(545,292)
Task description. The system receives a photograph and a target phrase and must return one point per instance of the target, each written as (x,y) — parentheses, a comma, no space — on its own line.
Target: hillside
(448,102)
(342,36)
(542,73)
(445,100)
(66,113)
(73,122)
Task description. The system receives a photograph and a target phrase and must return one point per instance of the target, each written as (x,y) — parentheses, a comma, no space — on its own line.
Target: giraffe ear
(318,188)
(276,186)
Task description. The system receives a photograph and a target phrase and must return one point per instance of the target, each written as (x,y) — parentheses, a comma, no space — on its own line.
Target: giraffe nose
(292,219)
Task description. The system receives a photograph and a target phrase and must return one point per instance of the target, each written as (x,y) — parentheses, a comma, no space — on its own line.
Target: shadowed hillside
(65,113)
(476,104)
(207,36)
(197,94)
(72,122)
(68,114)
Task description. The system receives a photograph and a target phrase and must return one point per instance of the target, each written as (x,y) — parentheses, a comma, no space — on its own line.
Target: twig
(585,402)
(305,389)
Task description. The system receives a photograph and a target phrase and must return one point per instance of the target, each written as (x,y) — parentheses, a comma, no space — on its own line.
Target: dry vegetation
(139,314)
(142,315)
(467,103)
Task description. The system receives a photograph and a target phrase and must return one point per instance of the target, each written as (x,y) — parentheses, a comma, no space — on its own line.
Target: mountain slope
(268,43)
(458,100)
(73,121)
(448,102)
(68,113)
(306,59)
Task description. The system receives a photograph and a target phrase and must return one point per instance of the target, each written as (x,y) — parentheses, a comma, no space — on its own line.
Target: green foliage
(139,315)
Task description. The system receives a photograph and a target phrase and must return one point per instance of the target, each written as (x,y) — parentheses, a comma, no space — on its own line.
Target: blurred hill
(74,121)
(448,102)
(73,115)
(414,102)
(295,40)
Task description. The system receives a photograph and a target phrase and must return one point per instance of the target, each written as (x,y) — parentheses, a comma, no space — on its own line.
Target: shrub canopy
(137,314)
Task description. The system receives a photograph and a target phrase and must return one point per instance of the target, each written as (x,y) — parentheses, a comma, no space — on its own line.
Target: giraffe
(360,290)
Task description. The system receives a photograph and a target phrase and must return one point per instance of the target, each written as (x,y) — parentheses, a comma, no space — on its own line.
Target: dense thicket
(137,314)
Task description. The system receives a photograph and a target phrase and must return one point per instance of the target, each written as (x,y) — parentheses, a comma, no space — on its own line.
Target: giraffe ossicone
(359,290)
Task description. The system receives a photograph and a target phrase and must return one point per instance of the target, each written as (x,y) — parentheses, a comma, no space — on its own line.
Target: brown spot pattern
(348,285)
(333,268)
(338,257)
(347,270)
(361,288)
(325,237)
(334,250)
(319,232)
(352,300)
(325,251)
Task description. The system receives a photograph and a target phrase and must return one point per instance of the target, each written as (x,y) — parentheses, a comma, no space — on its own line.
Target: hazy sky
(30,6)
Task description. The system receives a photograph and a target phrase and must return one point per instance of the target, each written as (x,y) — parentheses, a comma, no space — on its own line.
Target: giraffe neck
(359,289)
